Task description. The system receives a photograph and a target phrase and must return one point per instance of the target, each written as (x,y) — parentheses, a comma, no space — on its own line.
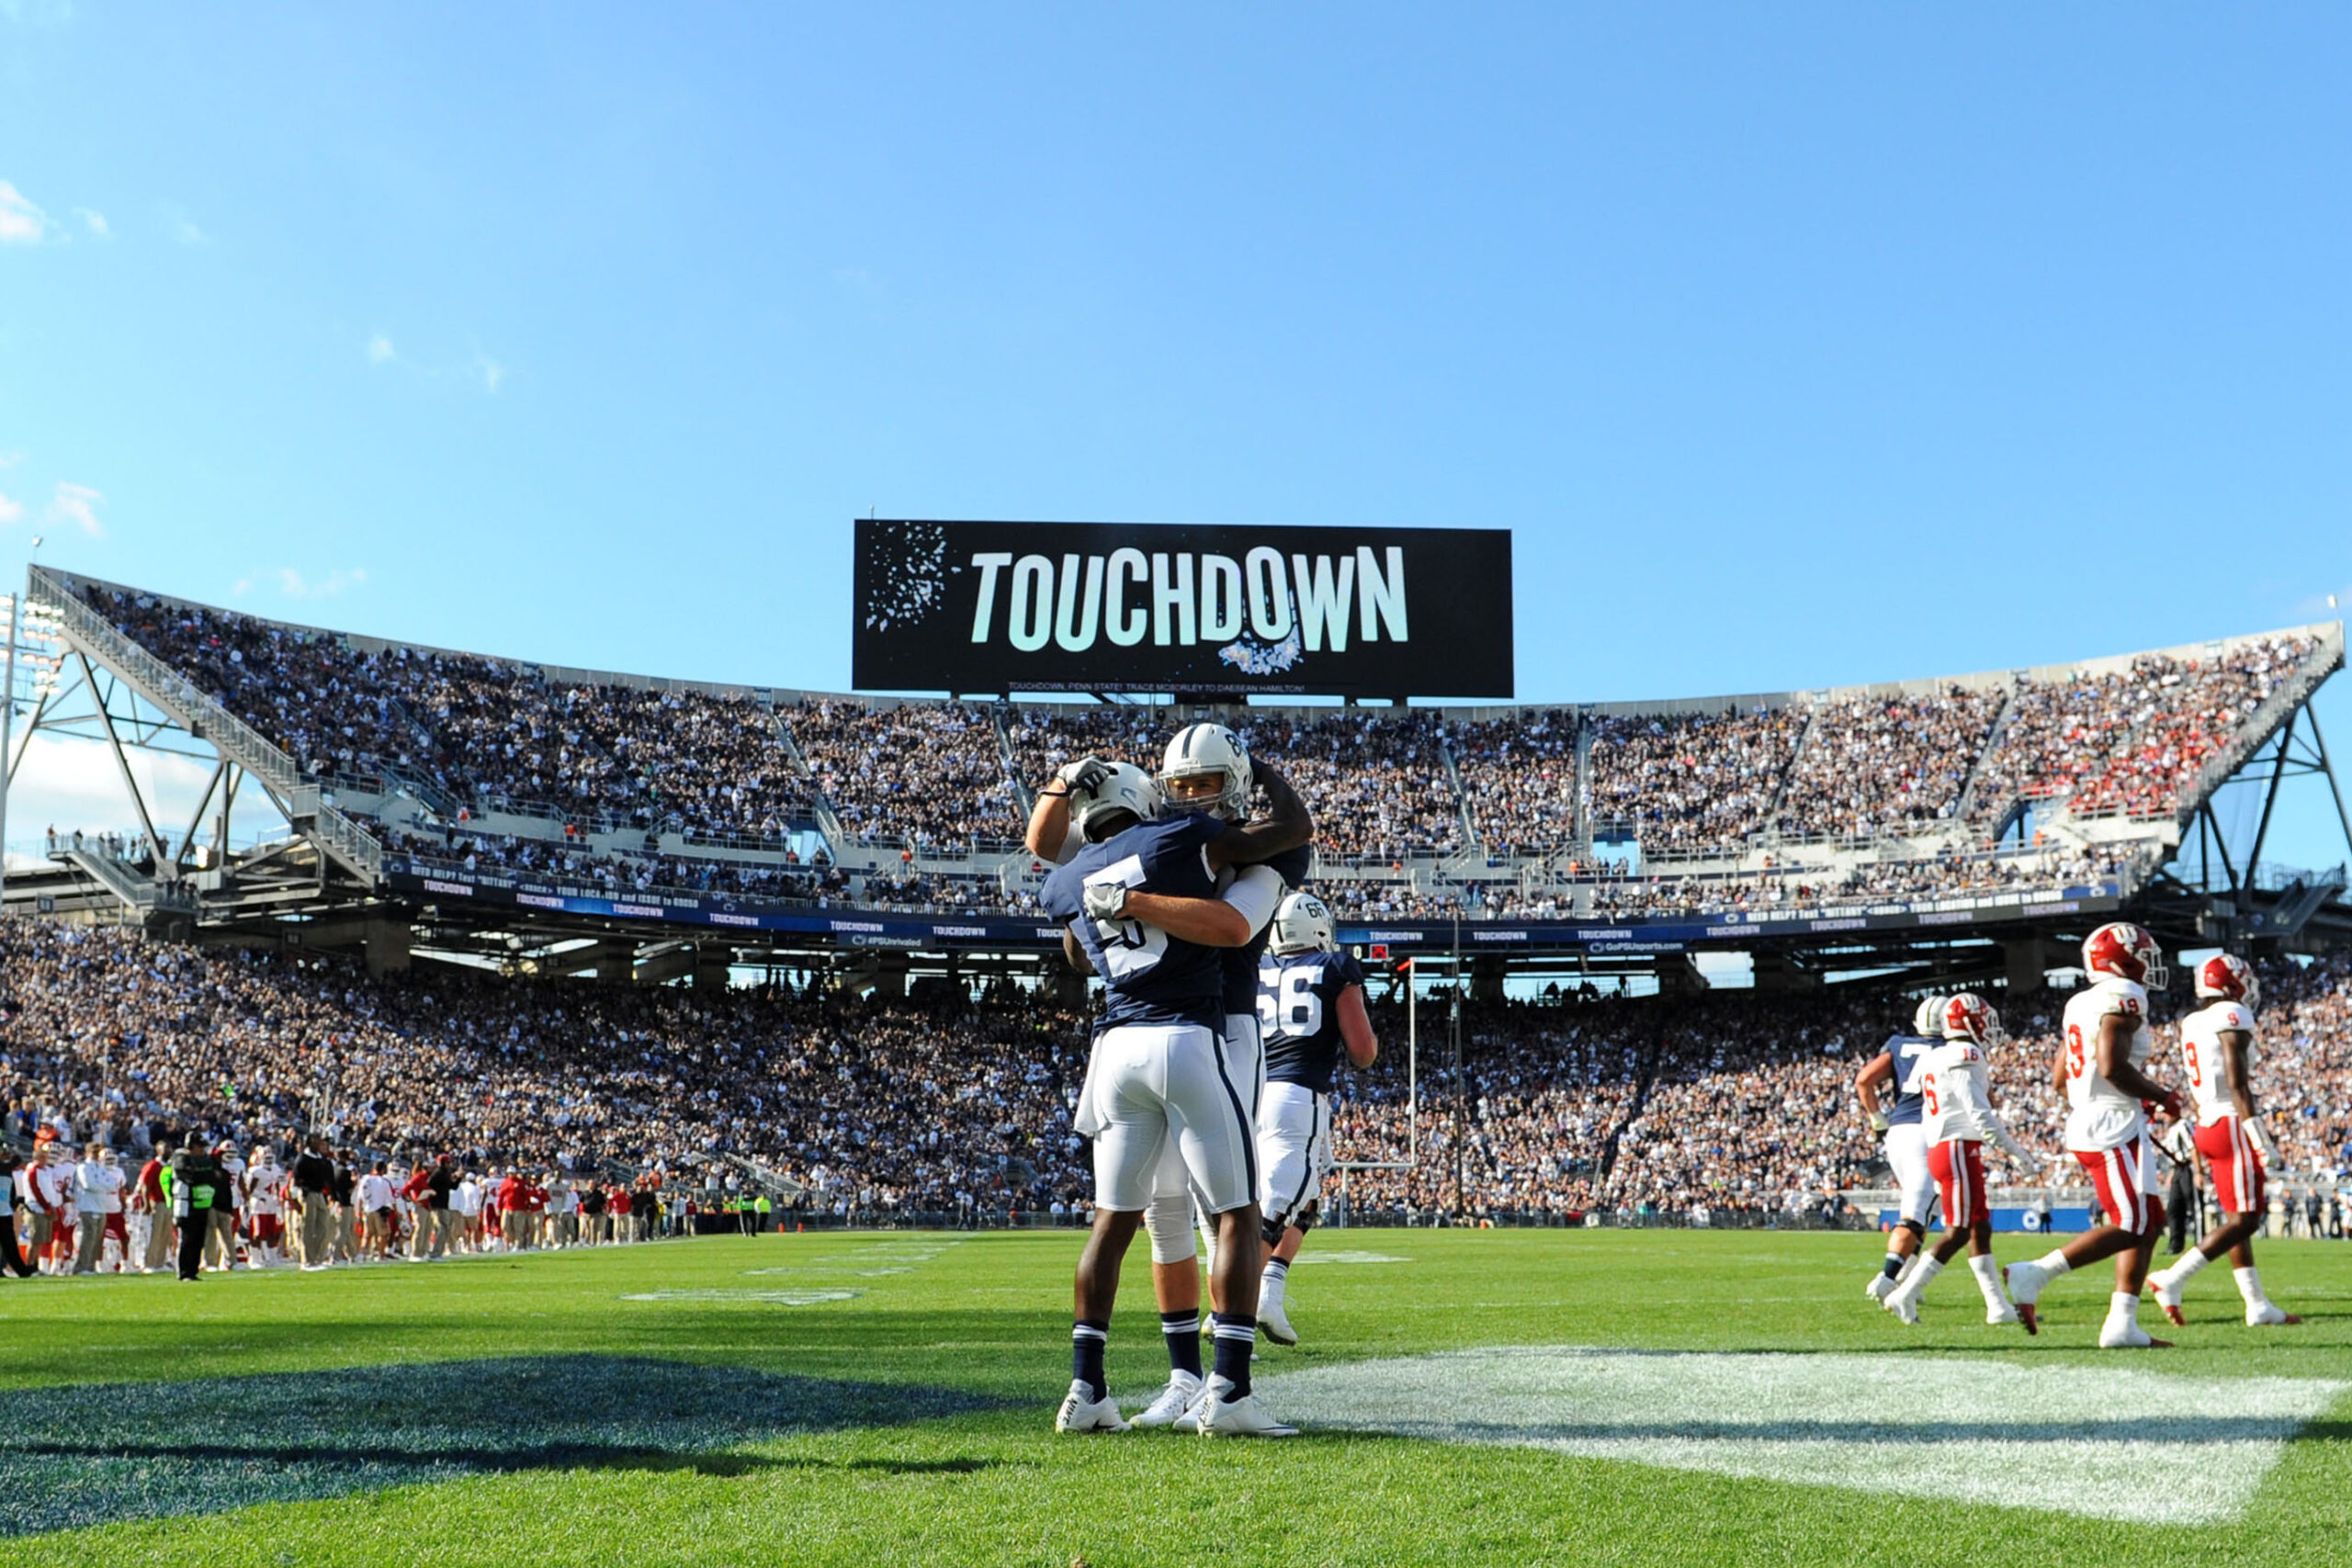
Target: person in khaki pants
(147,1198)
(313,1174)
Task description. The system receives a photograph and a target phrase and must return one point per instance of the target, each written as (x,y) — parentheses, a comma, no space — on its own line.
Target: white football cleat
(2024,1282)
(2125,1334)
(1175,1402)
(1904,1305)
(1880,1287)
(2167,1294)
(2268,1313)
(1082,1412)
(1219,1417)
(2001,1317)
(1275,1322)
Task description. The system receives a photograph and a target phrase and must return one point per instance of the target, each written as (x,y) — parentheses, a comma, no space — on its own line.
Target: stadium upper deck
(2053,776)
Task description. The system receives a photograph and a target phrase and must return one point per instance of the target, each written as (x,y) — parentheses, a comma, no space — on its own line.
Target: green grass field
(887,1398)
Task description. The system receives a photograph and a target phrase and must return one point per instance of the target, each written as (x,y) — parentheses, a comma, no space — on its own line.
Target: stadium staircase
(1796,755)
(337,837)
(1965,802)
(149,896)
(1461,797)
(1022,795)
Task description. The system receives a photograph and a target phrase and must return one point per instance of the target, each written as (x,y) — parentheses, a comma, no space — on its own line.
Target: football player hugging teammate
(2217,1047)
(2102,1057)
(1157,898)
(1310,1012)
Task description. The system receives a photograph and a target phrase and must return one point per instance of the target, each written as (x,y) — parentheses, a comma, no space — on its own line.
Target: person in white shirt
(2100,1069)
(97,1200)
(1957,1114)
(376,1195)
(2217,1046)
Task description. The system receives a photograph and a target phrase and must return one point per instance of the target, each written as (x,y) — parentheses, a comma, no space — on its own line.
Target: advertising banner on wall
(1179,607)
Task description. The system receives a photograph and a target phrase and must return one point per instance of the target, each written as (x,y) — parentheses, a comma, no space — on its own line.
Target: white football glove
(1878,1122)
(1104,900)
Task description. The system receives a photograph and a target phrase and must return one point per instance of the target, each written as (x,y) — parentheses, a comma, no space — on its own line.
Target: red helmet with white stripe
(1971,1018)
(2225,974)
(2128,953)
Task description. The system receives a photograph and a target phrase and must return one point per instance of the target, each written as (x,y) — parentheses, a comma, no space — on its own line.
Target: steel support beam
(114,743)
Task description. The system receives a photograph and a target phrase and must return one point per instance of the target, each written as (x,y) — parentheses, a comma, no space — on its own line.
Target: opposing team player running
(2100,1067)
(1958,1103)
(2217,1047)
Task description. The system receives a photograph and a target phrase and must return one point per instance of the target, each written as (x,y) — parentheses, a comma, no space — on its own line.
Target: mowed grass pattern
(909,1421)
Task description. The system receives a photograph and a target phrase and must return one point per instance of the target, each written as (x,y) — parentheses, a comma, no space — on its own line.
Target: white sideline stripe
(2105,1442)
(775,1298)
(1311,1256)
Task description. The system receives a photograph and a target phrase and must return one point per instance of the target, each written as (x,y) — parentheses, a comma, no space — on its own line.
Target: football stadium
(1167,1041)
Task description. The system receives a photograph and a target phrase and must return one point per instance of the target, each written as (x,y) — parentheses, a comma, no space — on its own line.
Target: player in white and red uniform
(1957,1116)
(264,1185)
(2217,1046)
(2099,1068)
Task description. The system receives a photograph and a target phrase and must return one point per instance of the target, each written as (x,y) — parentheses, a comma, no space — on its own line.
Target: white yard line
(2115,1441)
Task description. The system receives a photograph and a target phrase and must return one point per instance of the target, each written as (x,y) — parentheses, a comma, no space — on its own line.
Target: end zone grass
(888,1397)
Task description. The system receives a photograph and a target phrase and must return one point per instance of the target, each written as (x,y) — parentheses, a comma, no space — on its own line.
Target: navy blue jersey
(1298,1015)
(1907,1050)
(1241,963)
(1150,977)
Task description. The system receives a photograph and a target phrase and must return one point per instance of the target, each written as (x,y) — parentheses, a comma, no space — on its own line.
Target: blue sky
(1797,346)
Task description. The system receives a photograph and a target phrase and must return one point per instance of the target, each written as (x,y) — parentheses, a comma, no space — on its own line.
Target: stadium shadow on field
(104,1454)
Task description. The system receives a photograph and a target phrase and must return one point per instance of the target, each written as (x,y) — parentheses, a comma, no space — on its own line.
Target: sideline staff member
(191,1181)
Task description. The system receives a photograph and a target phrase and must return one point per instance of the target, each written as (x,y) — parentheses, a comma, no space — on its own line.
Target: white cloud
(77,504)
(95,223)
(68,782)
(243,586)
(380,350)
(490,371)
(294,585)
(10,511)
(10,459)
(181,227)
(21,224)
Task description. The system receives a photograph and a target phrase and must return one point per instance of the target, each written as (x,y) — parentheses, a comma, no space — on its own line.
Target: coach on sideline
(314,1175)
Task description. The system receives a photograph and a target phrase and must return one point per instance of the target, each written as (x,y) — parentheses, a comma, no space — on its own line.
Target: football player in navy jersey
(1905,1140)
(1140,906)
(1310,1012)
(1207,766)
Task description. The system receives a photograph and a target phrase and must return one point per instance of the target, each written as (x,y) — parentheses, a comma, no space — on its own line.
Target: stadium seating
(1738,1101)
(1481,814)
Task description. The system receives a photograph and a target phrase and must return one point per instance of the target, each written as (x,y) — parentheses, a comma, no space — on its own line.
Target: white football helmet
(1927,1020)
(1303,924)
(1208,748)
(1124,787)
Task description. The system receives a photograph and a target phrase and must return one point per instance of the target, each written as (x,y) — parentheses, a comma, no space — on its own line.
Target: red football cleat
(2030,1316)
(2174,1313)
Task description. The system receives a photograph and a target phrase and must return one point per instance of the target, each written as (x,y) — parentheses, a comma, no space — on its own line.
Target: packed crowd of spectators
(2131,742)
(1693,784)
(1519,776)
(471,734)
(930,775)
(949,1103)
(1876,763)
